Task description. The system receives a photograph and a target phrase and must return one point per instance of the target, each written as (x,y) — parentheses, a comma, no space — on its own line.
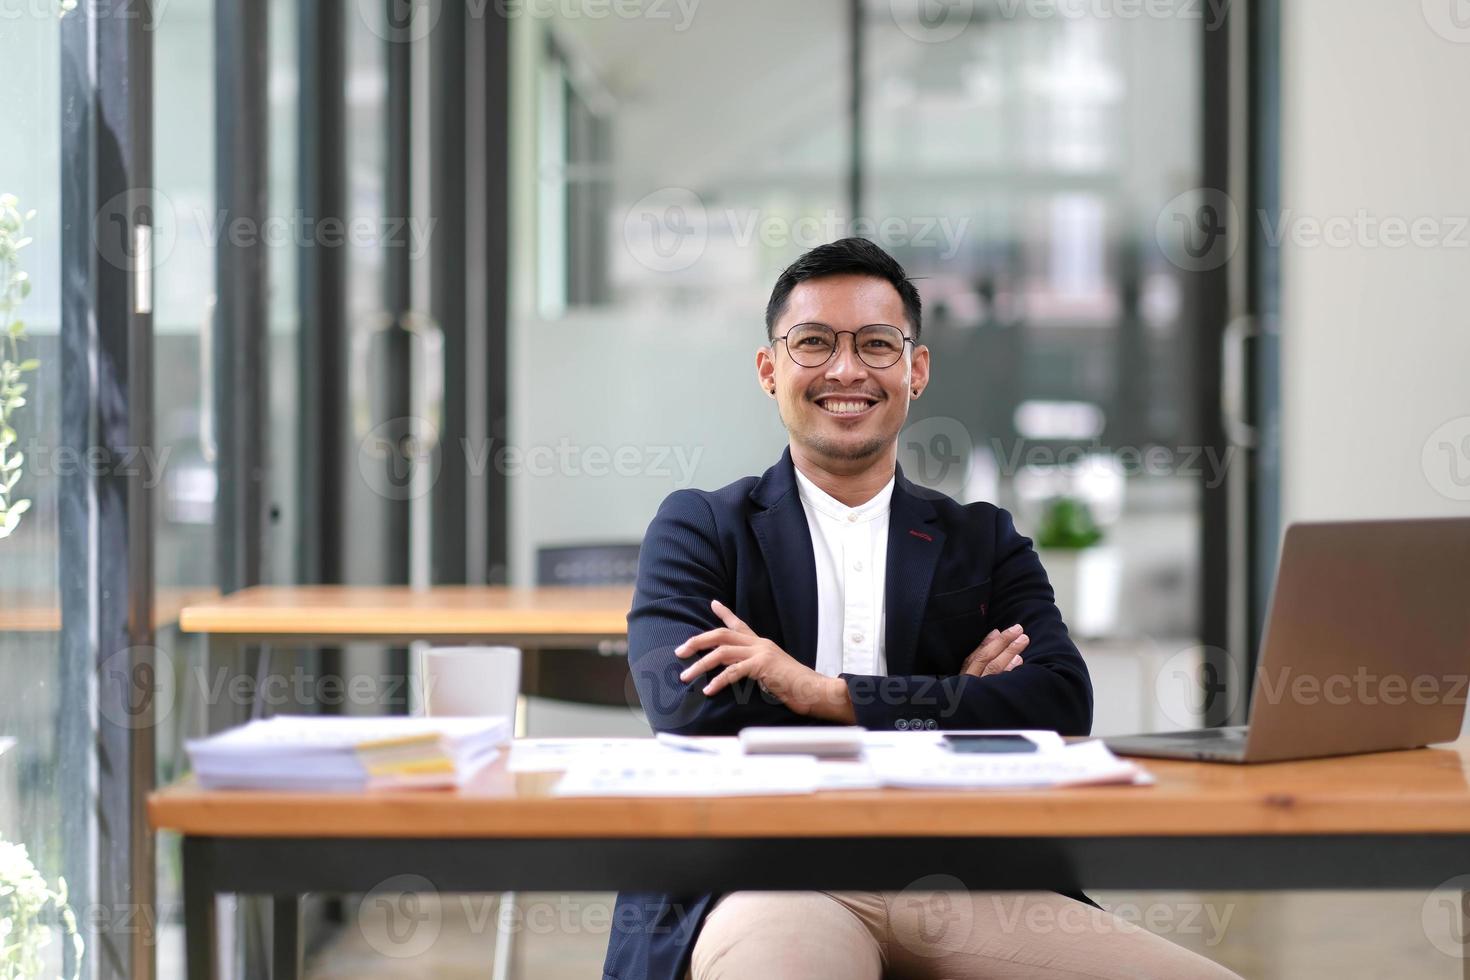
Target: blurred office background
(439,288)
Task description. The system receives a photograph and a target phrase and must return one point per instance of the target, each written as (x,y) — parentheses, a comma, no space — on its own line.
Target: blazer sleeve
(1050,690)
(680,569)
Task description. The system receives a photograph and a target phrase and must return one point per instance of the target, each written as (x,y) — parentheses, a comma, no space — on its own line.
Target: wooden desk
(45,618)
(328,615)
(1391,820)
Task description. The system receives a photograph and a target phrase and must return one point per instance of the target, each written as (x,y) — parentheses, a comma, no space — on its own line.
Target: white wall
(1376,340)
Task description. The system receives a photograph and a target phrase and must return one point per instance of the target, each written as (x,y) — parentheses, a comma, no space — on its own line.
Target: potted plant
(15,286)
(1085,574)
(27,902)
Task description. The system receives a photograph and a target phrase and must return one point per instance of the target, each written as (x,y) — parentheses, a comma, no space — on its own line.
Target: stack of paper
(334,753)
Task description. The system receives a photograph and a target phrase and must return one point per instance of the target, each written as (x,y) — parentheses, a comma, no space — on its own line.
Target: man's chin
(852,449)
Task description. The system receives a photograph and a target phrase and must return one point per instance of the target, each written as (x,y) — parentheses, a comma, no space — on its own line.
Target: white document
(671,775)
(846,774)
(1080,764)
(704,744)
(558,754)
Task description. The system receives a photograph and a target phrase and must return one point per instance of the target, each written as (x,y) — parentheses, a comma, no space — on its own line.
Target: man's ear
(765,370)
(919,375)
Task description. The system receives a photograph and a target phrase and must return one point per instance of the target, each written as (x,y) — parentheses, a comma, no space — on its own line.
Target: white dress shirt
(850,546)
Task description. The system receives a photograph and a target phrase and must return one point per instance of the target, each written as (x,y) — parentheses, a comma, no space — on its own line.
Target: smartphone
(989,743)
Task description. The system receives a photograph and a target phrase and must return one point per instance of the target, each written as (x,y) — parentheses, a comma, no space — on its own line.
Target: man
(831,590)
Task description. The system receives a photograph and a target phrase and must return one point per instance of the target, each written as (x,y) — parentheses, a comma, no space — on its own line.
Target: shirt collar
(828,506)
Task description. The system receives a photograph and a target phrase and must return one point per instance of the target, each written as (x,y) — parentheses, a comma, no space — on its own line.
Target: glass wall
(185,428)
(663,173)
(185,494)
(43,838)
(1029,155)
(1016,160)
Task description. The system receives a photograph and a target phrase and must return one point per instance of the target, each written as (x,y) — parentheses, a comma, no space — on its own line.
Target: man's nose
(845,363)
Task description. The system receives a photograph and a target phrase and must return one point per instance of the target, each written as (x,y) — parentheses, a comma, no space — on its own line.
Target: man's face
(844,413)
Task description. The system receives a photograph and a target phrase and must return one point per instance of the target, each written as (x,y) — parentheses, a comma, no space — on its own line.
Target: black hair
(847,256)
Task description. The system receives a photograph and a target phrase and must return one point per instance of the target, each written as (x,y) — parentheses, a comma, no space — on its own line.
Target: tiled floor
(1292,936)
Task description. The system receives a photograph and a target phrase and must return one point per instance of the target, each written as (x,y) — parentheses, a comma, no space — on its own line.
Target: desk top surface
(39,617)
(452,610)
(1418,791)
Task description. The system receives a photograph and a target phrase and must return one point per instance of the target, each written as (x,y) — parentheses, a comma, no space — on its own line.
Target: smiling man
(833,590)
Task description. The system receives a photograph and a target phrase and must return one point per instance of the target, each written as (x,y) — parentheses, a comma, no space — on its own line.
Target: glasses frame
(837,344)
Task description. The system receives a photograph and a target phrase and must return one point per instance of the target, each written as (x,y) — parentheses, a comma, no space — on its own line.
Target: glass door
(45,827)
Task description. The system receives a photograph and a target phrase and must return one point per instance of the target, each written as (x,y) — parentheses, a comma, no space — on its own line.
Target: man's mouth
(846,406)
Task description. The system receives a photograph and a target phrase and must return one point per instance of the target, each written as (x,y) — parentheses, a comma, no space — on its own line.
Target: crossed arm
(680,631)
(745,655)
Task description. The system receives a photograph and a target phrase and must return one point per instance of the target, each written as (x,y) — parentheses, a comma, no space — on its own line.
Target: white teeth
(845,408)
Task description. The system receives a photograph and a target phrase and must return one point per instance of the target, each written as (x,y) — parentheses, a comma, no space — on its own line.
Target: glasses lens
(880,345)
(811,344)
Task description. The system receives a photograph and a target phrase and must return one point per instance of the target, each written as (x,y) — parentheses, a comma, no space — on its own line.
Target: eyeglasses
(814,344)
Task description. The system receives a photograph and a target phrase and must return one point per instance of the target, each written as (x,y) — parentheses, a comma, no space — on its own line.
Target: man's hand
(997,653)
(743,654)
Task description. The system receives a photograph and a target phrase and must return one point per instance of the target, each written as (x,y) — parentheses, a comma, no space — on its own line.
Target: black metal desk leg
(200,935)
(286,938)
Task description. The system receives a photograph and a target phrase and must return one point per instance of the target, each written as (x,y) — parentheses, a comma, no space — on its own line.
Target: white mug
(471,682)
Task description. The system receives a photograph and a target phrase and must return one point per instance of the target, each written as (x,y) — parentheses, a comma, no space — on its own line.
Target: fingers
(728,617)
(708,662)
(991,648)
(732,673)
(705,640)
(1007,657)
(733,629)
(984,651)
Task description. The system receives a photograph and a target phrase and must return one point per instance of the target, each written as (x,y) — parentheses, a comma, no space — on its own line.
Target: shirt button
(852,518)
(857,637)
(857,566)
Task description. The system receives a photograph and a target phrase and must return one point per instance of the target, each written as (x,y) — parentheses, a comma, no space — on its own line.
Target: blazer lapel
(785,541)
(915,541)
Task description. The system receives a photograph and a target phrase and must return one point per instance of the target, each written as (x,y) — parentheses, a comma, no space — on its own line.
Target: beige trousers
(937,935)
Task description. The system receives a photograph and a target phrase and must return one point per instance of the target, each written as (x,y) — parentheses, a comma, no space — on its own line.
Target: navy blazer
(954,573)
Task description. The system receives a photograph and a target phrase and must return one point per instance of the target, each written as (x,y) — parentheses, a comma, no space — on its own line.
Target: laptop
(1366,649)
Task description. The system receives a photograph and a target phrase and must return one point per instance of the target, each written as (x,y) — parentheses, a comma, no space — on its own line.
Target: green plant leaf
(13,463)
(1068,523)
(12,520)
(20,507)
(30,364)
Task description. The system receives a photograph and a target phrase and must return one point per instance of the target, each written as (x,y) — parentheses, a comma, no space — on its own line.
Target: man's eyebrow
(819,323)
